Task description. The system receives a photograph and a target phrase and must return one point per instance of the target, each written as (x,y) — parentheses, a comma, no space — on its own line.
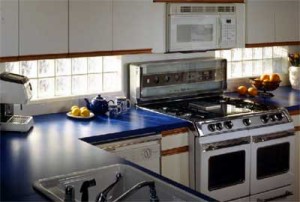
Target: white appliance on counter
(14,89)
(194,27)
(144,151)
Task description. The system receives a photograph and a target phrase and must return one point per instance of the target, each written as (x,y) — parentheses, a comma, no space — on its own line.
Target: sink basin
(54,187)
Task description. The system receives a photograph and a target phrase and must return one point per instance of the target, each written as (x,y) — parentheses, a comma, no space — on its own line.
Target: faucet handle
(69,194)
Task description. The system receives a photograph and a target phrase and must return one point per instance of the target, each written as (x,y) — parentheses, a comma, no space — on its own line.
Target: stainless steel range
(239,149)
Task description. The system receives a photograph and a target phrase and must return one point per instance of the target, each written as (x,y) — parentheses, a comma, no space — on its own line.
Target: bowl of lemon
(80,113)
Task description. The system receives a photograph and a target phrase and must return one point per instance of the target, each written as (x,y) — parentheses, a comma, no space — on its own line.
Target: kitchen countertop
(54,147)
(284,96)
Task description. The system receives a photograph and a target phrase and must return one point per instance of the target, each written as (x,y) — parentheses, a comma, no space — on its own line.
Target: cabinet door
(90,25)
(175,155)
(137,25)
(296,121)
(286,21)
(43,27)
(176,167)
(9,28)
(260,22)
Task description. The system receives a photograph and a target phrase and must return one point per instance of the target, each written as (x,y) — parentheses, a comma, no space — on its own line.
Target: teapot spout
(88,104)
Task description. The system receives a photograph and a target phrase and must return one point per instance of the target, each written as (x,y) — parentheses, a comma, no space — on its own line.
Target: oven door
(272,161)
(225,169)
(187,33)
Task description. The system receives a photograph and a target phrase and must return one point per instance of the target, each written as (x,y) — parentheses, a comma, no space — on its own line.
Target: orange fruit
(275,77)
(266,80)
(264,77)
(252,91)
(242,90)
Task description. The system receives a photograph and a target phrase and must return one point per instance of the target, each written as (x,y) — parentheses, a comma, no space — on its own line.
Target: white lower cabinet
(175,155)
(296,120)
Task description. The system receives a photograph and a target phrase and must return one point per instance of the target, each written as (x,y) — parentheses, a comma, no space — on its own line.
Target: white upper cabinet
(287,21)
(9,28)
(271,21)
(138,24)
(43,27)
(90,25)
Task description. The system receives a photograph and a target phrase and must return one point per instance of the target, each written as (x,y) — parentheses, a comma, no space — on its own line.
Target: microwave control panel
(228,33)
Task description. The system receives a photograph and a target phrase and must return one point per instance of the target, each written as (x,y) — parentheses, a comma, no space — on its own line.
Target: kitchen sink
(54,187)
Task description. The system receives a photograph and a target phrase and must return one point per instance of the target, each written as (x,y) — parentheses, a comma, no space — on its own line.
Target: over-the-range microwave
(194,26)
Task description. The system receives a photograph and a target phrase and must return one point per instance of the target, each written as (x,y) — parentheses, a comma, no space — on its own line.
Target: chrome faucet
(102,196)
(151,184)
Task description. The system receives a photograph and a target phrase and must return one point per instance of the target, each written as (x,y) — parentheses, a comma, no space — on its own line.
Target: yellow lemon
(74,106)
(75,112)
(85,113)
(82,108)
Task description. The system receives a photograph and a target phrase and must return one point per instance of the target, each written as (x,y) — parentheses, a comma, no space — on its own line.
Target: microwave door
(188,33)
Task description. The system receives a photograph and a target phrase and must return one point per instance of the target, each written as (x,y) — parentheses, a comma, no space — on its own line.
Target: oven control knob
(279,116)
(156,79)
(228,124)
(167,78)
(211,127)
(176,77)
(264,118)
(247,122)
(273,117)
(219,126)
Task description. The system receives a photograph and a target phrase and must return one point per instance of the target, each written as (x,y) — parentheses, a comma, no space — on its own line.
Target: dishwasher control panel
(144,151)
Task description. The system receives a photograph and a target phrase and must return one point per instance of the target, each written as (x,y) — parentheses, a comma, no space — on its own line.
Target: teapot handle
(111,101)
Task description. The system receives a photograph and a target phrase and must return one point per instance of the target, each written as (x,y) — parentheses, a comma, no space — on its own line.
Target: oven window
(273,160)
(226,170)
(194,33)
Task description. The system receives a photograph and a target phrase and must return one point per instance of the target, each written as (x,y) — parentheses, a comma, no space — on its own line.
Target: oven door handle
(273,136)
(225,144)
(286,194)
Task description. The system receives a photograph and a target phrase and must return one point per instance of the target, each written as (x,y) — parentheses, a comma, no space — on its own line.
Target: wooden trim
(294,112)
(174,132)
(297,128)
(71,55)
(134,51)
(200,1)
(287,43)
(174,151)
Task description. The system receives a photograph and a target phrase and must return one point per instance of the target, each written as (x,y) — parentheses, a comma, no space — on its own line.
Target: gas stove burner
(208,108)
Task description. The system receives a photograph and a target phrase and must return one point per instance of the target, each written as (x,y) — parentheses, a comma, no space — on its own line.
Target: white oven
(249,163)
(224,172)
(273,160)
(193,27)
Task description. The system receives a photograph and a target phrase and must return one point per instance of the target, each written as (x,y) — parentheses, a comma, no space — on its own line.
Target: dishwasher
(143,151)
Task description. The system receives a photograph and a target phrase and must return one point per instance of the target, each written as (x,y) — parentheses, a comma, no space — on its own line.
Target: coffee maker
(14,89)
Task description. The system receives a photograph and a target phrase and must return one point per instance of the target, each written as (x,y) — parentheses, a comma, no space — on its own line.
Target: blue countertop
(284,96)
(58,145)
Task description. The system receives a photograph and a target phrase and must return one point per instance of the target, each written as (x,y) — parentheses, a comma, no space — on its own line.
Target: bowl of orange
(266,82)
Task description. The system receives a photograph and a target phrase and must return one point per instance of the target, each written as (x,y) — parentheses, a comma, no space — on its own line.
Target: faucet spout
(101,197)
(135,188)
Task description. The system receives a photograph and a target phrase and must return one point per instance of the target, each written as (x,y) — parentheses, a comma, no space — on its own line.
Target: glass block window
(251,62)
(70,77)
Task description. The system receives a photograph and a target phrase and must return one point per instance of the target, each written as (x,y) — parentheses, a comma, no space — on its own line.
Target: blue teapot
(97,105)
